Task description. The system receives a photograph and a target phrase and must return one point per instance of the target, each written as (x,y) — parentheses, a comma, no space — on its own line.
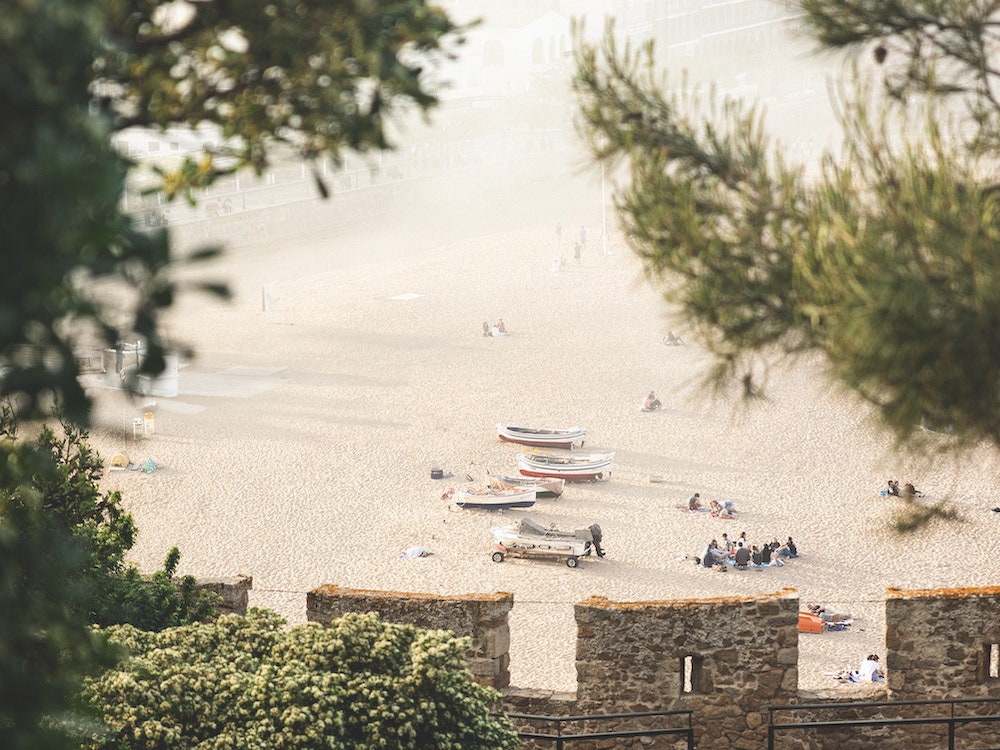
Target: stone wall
(940,643)
(483,617)
(234,592)
(727,660)
(724,658)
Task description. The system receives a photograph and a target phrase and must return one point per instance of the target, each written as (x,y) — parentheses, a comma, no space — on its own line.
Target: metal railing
(563,731)
(950,720)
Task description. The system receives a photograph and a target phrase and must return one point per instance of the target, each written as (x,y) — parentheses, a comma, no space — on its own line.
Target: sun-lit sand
(300,446)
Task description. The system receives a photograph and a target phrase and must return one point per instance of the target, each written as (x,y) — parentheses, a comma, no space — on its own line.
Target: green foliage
(152,603)
(46,646)
(887,263)
(245,682)
(64,480)
(323,77)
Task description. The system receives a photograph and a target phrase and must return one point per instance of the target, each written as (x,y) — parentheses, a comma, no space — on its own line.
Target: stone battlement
(727,659)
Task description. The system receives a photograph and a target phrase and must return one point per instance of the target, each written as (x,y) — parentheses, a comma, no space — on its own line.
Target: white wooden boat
(490,498)
(529,539)
(544,486)
(540,437)
(573,467)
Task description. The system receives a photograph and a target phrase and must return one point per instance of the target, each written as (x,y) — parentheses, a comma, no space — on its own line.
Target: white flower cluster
(251,683)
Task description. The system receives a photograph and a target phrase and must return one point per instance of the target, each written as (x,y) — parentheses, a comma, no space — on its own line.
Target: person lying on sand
(827,614)
(720,510)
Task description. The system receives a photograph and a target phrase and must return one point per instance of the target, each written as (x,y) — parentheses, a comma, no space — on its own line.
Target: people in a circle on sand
(651,403)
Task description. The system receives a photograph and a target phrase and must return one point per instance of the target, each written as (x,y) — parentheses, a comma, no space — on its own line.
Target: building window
(690,674)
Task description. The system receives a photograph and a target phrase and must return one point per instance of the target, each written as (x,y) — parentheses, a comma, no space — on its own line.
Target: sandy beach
(300,445)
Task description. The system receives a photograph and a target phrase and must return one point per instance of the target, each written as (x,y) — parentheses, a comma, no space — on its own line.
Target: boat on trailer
(490,498)
(530,539)
(541,437)
(573,467)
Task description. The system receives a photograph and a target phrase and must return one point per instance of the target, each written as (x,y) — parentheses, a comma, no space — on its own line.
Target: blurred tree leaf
(320,77)
(887,263)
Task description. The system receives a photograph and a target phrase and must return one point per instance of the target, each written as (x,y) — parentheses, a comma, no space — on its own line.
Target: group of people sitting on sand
(497,329)
(909,492)
(740,554)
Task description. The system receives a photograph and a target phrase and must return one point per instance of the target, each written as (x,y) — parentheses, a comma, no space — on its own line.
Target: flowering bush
(248,682)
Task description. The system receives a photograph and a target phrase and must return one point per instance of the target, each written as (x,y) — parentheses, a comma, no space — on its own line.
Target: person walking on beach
(595,532)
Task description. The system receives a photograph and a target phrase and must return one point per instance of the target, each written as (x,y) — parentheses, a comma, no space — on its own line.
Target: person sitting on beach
(695,503)
(742,557)
(787,549)
(501,327)
(893,488)
(486,329)
(712,555)
(870,670)
(651,402)
(765,554)
(727,545)
(910,492)
(757,556)
(714,509)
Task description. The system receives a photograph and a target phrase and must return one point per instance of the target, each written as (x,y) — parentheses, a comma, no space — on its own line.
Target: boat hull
(572,468)
(491,499)
(494,504)
(541,438)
